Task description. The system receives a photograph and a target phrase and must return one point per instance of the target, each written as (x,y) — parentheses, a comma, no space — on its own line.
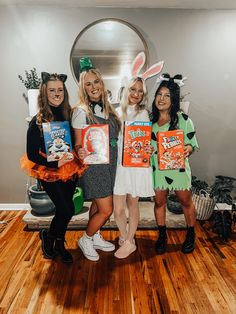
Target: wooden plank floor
(201,282)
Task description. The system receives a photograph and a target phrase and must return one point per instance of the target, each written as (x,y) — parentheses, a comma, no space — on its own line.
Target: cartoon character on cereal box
(58,145)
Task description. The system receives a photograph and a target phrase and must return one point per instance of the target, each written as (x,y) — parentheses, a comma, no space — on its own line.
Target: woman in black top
(58,178)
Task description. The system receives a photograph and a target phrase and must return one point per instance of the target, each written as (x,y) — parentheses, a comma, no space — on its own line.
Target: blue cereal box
(57,138)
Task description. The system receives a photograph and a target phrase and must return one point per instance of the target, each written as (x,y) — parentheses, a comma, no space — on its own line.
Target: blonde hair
(125,98)
(84,100)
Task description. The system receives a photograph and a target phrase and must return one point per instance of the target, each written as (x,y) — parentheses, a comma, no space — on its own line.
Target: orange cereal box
(170,149)
(137,135)
(95,140)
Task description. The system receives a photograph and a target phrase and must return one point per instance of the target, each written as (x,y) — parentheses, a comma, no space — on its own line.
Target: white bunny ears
(138,63)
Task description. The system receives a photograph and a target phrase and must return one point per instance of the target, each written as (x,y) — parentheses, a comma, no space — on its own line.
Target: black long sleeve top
(35,140)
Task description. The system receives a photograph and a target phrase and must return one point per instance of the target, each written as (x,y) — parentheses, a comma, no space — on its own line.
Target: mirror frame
(109,20)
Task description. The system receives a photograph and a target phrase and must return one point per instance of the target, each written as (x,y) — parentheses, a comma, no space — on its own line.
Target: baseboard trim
(15,206)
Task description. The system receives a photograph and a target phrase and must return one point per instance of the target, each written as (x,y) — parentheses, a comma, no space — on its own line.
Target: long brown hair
(84,100)
(45,113)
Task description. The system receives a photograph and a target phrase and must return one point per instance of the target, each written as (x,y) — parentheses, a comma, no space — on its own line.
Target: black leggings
(61,194)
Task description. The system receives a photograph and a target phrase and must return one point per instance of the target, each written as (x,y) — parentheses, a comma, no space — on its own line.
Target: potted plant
(199,185)
(223,218)
(221,190)
(31,83)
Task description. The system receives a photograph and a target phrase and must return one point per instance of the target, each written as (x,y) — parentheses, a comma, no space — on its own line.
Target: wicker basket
(204,205)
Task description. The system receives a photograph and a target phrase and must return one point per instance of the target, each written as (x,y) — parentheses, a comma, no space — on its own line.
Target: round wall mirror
(112,45)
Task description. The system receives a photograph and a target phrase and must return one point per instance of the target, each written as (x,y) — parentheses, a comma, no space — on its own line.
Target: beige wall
(199,44)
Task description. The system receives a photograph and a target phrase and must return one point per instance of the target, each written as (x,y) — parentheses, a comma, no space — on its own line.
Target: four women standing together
(111,185)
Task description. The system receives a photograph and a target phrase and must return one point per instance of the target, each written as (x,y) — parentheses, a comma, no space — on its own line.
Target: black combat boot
(60,249)
(48,242)
(189,243)
(161,242)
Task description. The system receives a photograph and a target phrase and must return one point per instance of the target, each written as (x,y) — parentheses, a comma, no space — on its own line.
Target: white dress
(136,181)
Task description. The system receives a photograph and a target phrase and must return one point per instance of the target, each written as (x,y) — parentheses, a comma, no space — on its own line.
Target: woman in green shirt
(166,116)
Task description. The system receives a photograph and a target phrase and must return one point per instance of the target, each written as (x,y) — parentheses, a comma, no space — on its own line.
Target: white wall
(199,44)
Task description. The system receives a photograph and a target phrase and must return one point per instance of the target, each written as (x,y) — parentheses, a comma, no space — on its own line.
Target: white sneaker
(87,248)
(100,244)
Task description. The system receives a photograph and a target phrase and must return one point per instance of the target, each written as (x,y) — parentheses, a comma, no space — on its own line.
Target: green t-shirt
(174,179)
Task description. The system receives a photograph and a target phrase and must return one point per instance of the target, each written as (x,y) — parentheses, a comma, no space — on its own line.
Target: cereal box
(171,149)
(95,140)
(137,135)
(57,138)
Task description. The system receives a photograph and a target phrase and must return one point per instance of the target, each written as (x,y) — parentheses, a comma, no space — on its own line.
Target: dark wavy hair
(174,97)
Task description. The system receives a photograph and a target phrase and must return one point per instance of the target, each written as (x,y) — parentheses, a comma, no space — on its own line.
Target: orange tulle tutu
(69,171)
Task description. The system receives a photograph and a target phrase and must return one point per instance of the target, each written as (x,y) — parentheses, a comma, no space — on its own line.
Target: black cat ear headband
(47,76)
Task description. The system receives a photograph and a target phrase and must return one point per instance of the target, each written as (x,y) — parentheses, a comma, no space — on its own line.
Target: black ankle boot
(48,242)
(61,250)
(189,243)
(161,242)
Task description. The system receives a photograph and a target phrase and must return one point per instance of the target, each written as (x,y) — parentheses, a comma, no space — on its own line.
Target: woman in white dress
(131,182)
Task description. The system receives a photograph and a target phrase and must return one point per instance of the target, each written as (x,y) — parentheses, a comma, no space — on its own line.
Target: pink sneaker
(125,250)
(121,241)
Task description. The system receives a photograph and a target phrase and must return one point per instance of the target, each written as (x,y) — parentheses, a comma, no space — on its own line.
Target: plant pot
(33,101)
(40,202)
(173,205)
(78,199)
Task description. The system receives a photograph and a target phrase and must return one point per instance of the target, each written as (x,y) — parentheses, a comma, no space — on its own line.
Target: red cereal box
(137,135)
(95,140)
(170,146)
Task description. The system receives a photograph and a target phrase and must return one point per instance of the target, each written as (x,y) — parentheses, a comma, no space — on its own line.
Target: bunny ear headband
(178,79)
(138,63)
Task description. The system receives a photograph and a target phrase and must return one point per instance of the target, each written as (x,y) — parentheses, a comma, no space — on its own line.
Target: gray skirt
(98,180)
